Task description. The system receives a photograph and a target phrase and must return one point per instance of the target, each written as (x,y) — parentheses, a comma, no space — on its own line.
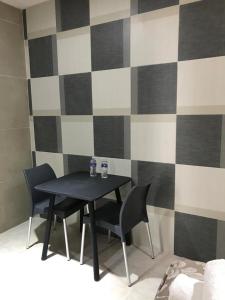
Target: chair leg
(126,264)
(66,239)
(29,231)
(150,239)
(82,245)
(109,236)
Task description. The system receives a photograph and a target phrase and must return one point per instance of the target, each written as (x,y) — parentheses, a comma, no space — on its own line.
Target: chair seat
(68,207)
(42,206)
(107,216)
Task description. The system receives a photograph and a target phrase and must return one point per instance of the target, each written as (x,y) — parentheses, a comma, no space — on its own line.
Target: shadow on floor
(110,253)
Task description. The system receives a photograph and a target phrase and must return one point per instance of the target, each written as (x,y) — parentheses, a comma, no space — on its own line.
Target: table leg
(119,201)
(81,218)
(94,241)
(48,228)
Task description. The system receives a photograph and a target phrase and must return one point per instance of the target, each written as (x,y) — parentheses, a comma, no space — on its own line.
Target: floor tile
(113,281)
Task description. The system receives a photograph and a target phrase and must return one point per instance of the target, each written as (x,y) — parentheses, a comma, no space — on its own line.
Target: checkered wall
(140,83)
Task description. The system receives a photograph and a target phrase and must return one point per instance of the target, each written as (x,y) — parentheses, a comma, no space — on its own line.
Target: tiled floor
(24,276)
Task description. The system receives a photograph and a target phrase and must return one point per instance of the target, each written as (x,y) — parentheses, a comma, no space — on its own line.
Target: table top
(81,186)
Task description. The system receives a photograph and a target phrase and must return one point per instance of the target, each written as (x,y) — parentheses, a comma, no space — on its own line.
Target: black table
(81,186)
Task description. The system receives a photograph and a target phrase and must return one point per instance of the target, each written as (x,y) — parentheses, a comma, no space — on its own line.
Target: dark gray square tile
(195,237)
(199,140)
(110,45)
(162,177)
(222,151)
(34,159)
(202,30)
(72,14)
(48,136)
(154,89)
(24,23)
(76,163)
(43,56)
(220,251)
(112,136)
(76,94)
(141,6)
(29,97)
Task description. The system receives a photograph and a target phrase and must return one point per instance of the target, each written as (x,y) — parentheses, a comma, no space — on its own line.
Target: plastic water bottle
(93,167)
(104,171)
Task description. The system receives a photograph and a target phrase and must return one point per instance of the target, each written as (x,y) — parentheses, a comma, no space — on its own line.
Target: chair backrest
(35,176)
(133,209)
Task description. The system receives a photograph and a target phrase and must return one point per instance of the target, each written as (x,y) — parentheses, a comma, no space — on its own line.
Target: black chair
(63,208)
(120,219)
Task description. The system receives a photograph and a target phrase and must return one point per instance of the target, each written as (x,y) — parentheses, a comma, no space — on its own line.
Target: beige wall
(14,124)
